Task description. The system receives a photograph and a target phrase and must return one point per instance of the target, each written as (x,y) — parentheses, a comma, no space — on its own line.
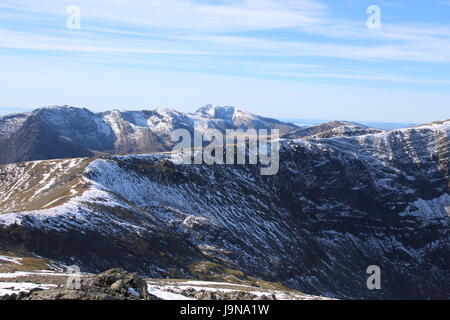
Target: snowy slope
(10,124)
(337,206)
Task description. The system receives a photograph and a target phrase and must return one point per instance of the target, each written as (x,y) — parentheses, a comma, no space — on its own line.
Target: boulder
(114,284)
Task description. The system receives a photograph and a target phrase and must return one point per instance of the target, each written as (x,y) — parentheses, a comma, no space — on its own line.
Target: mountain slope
(11,123)
(336,206)
(36,140)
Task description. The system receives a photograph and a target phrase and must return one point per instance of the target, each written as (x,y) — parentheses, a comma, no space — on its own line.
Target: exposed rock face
(68,132)
(336,207)
(114,284)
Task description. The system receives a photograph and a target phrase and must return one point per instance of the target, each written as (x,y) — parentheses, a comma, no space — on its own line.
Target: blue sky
(312,59)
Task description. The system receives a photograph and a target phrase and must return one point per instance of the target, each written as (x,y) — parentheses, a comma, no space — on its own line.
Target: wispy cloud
(202,31)
(429,49)
(366,76)
(216,16)
(204,28)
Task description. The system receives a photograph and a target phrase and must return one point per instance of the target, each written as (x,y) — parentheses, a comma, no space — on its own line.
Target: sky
(303,59)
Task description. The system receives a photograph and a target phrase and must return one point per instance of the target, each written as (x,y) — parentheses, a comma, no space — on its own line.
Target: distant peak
(65,106)
(220,112)
(62,108)
(345,123)
(165,109)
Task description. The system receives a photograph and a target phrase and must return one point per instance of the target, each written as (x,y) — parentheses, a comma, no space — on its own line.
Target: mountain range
(346,197)
(68,132)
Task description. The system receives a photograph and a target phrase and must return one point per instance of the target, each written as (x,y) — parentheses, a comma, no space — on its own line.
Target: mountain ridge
(332,129)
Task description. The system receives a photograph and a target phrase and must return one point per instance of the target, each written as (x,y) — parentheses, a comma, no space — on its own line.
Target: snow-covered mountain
(337,206)
(67,132)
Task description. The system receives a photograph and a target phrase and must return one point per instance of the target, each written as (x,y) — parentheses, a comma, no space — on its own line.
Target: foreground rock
(221,295)
(114,284)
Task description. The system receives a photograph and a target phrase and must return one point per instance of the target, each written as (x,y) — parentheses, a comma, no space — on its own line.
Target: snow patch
(8,288)
(11,260)
(164,295)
